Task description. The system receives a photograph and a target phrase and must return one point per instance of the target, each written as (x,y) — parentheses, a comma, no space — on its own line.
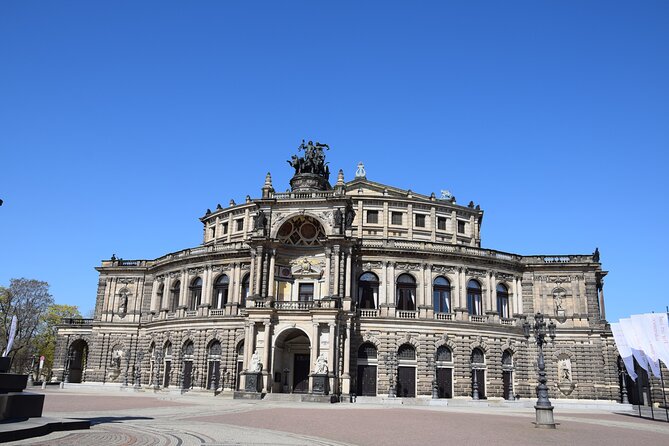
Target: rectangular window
(461,227)
(396,218)
(212,231)
(306,292)
(225,228)
(240,224)
(441,223)
(372,216)
(420,220)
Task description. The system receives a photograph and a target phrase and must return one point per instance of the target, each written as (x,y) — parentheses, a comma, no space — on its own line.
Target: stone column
(315,341)
(166,293)
(260,261)
(249,344)
(183,293)
(347,289)
(433,224)
(454,227)
(267,362)
(383,286)
(391,283)
(252,287)
(493,291)
(234,291)
(270,279)
(154,296)
(410,221)
(462,291)
(335,259)
(326,275)
(207,285)
(386,218)
(331,347)
(346,378)
(428,286)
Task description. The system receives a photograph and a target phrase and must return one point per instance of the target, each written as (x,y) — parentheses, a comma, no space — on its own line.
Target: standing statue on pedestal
(321,365)
(256,366)
(313,160)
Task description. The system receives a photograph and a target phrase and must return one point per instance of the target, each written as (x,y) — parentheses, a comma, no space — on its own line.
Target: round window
(308,231)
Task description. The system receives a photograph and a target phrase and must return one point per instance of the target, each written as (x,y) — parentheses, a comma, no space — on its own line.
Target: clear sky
(122,122)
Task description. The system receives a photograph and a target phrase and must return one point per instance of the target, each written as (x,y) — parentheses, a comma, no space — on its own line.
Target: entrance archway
(292,362)
(77,360)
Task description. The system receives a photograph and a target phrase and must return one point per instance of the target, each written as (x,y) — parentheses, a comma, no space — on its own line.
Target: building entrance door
(480,381)
(188,374)
(166,375)
(445,382)
(367,380)
(301,373)
(507,378)
(406,382)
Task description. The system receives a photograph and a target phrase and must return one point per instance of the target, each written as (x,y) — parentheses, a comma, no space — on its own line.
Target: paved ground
(129,418)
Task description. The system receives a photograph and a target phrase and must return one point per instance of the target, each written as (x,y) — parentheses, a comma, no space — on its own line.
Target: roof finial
(267,189)
(268,180)
(340,178)
(360,172)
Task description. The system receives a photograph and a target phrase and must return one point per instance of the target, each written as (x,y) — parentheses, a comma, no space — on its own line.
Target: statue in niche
(564,370)
(260,221)
(338,218)
(256,366)
(123,306)
(559,295)
(321,365)
(350,215)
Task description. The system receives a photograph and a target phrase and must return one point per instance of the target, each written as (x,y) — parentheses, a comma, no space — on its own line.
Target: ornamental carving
(218,268)
(126,280)
(198,270)
(408,266)
(160,278)
(476,272)
(175,274)
(245,266)
(505,276)
(444,269)
(371,265)
(558,279)
(306,266)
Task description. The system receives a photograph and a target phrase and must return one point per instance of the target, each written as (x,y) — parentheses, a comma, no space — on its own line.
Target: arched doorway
(507,374)
(167,366)
(367,363)
(240,364)
(292,362)
(188,352)
(214,365)
(77,355)
(478,374)
(445,372)
(406,371)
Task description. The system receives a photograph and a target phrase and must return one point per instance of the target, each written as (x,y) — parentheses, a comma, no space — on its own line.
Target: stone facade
(375,278)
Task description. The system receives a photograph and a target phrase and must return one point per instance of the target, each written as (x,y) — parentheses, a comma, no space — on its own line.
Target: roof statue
(311,170)
(360,171)
(313,160)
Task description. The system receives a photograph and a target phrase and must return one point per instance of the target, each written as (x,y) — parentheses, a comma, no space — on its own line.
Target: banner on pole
(624,350)
(630,336)
(640,324)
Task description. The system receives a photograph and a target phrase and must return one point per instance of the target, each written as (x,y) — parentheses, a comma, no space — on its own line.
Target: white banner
(657,329)
(624,349)
(640,323)
(630,336)
(12,333)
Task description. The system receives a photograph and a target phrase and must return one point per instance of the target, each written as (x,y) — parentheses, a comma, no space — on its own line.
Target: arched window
(444,354)
(174,297)
(442,295)
(367,351)
(195,294)
(301,230)
(221,287)
(368,290)
(478,357)
(159,294)
(503,300)
(406,352)
(474,298)
(244,291)
(406,293)
(507,359)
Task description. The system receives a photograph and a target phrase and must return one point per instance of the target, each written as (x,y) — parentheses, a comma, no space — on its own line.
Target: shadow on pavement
(104,420)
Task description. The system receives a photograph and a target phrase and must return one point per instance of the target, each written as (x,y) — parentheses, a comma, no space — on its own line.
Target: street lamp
(623,378)
(543,408)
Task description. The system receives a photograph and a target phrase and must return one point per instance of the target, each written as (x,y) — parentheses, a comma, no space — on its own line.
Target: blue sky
(122,122)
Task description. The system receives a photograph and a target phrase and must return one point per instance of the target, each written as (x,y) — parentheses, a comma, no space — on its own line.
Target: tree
(45,341)
(29,300)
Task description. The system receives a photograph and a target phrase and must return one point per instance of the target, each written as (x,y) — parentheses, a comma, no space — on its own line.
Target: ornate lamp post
(68,362)
(543,408)
(623,379)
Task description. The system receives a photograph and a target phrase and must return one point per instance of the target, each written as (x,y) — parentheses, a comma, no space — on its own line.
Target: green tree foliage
(29,300)
(45,341)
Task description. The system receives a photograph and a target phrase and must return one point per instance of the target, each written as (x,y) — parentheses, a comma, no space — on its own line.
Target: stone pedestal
(253,382)
(14,402)
(544,418)
(320,384)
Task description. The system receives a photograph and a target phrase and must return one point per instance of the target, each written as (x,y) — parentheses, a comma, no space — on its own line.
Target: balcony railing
(171,315)
(191,313)
(217,312)
(402,314)
(368,313)
(443,316)
(477,318)
(508,321)
(76,321)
